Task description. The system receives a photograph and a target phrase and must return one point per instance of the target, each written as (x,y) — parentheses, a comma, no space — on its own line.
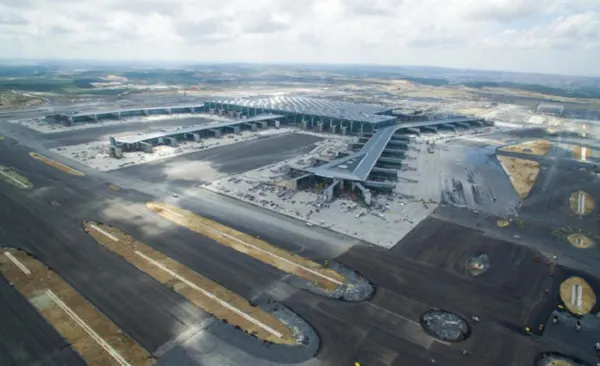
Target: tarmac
(425,270)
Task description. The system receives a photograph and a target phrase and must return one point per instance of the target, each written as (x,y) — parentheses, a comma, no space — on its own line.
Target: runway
(26,337)
(149,312)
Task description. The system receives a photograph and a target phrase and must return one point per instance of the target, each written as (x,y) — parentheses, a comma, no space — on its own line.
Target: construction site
(292,229)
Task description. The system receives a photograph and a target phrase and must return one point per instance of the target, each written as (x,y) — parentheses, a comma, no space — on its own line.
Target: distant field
(407,82)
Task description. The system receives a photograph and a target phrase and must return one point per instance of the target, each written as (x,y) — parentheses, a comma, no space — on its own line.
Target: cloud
(573,32)
(264,25)
(505,11)
(385,8)
(12,19)
(473,32)
(163,7)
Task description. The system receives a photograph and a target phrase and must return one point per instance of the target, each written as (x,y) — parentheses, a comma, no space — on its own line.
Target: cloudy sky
(555,36)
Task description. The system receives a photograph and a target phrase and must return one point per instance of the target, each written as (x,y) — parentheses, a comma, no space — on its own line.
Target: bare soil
(580,241)
(521,172)
(10,176)
(56,164)
(582,154)
(588,205)
(36,287)
(536,147)
(327,279)
(588,297)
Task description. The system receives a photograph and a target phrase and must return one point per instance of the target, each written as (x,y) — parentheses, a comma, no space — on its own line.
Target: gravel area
(445,325)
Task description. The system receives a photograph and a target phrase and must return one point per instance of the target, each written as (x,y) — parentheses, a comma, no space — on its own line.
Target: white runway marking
(101,342)
(14,179)
(18,263)
(581,203)
(209,295)
(268,253)
(112,237)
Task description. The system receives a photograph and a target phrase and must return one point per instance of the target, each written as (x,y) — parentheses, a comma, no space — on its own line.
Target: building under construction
(373,162)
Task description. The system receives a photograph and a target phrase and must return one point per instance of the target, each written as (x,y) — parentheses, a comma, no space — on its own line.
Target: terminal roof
(358,166)
(133,109)
(359,112)
(191,129)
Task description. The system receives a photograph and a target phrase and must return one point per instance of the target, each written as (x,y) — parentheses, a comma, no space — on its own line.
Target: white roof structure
(360,112)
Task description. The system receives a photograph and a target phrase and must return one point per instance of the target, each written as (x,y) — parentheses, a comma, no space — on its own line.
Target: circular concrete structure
(582,203)
(581,241)
(444,325)
(577,295)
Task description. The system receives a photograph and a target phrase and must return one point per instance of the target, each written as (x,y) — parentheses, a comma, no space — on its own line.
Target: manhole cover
(577,295)
(582,203)
(445,325)
(580,241)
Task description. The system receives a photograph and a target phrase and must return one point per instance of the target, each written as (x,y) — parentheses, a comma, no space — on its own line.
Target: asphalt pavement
(425,270)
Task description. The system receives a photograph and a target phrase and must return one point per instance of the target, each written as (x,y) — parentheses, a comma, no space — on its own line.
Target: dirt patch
(199,290)
(258,249)
(503,222)
(536,147)
(582,203)
(10,176)
(577,295)
(114,187)
(70,313)
(521,172)
(583,153)
(559,363)
(56,164)
(580,241)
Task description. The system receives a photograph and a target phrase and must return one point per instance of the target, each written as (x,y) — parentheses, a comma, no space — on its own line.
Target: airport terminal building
(321,115)
(372,164)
